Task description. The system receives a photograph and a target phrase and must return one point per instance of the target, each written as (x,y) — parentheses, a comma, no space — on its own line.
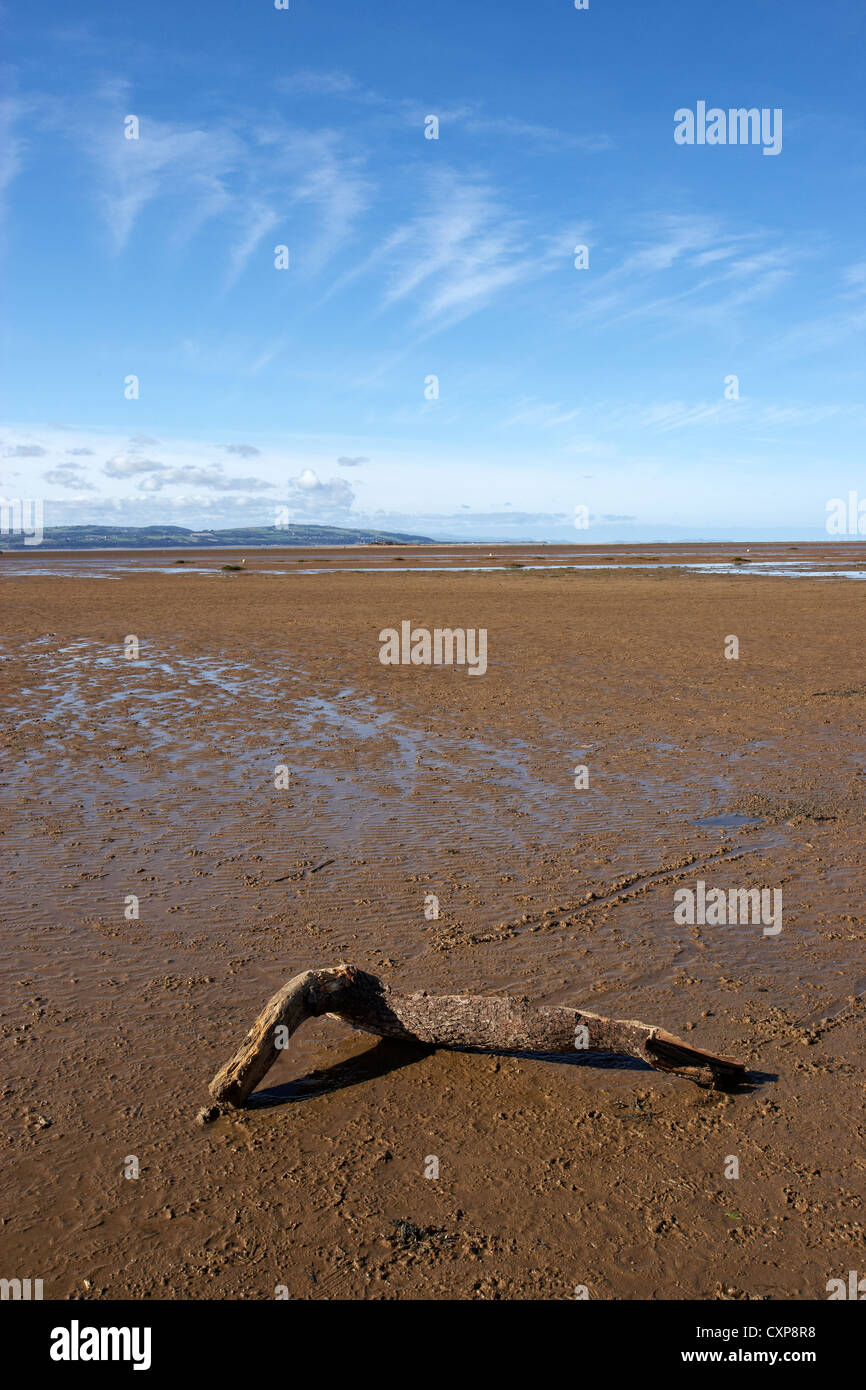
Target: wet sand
(155,777)
(837,557)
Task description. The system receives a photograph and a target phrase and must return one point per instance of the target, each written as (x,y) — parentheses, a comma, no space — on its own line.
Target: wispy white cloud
(712,272)
(249,176)
(169,160)
(13,112)
(513,129)
(313,169)
(468,115)
(540,415)
(845,319)
(666,416)
(256,222)
(464,249)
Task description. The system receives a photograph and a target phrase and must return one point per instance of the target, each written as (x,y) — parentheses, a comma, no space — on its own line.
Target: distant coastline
(180,537)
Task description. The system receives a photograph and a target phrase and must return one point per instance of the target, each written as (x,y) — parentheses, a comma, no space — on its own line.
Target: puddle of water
(777,569)
(152,708)
(731,821)
(766,571)
(773,571)
(57,574)
(368,781)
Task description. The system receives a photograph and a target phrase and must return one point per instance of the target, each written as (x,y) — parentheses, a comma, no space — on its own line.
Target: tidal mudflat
(161,878)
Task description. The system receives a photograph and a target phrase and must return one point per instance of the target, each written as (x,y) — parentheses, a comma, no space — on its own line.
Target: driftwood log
(497,1023)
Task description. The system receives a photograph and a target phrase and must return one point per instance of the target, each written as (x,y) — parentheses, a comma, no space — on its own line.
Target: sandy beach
(153,777)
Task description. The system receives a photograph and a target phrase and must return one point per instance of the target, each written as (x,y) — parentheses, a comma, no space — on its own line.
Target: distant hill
(165,537)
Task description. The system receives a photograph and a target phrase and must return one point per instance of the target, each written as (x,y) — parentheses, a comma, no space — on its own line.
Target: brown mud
(155,777)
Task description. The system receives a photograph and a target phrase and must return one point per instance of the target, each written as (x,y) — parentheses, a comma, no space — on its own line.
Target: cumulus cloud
(352,462)
(81,453)
(25,451)
(201,477)
(126,465)
(66,476)
(310,494)
(155,475)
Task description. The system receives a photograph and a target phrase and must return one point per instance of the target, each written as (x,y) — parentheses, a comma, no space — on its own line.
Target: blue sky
(602,387)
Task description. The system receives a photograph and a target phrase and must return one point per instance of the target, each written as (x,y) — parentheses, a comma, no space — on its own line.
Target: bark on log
(498,1023)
